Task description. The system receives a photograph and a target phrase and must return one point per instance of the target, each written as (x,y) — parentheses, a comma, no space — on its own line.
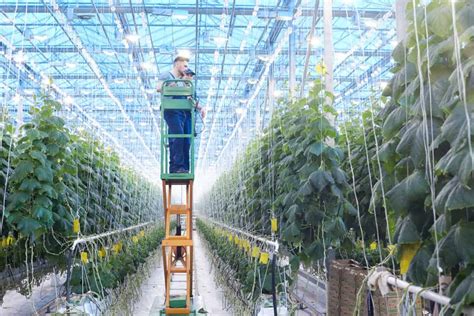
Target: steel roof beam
(160,10)
(151,77)
(232,51)
(362,28)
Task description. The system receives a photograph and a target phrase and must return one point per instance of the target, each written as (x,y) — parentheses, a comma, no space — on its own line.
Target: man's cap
(189,72)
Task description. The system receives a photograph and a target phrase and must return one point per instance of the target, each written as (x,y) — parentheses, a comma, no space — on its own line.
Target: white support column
(328,57)
(292,62)
(328,46)
(19,113)
(400,17)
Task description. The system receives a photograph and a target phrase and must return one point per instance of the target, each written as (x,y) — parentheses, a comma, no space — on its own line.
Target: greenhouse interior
(244,157)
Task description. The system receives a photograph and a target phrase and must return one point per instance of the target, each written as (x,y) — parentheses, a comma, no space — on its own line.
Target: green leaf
(42,213)
(455,195)
(335,191)
(438,50)
(43,201)
(413,139)
(289,199)
(406,232)
(463,236)
(336,228)
(464,291)
(349,208)
(33,134)
(313,216)
(394,121)
(454,129)
(457,162)
(412,189)
(23,168)
(407,74)
(440,21)
(399,53)
(292,233)
(28,225)
(39,156)
(319,179)
(53,149)
(306,189)
(447,251)
(44,174)
(29,185)
(465,17)
(316,148)
(417,270)
(17,198)
(339,176)
(387,151)
(292,212)
(315,251)
(46,188)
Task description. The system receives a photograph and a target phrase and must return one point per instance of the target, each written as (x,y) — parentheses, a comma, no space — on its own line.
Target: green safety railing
(176,95)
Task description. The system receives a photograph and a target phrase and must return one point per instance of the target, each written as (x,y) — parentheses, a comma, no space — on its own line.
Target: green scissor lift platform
(177,249)
(176,95)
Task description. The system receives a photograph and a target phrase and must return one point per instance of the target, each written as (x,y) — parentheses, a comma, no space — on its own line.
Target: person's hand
(203,112)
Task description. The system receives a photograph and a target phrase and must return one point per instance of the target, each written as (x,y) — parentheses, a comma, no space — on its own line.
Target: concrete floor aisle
(152,292)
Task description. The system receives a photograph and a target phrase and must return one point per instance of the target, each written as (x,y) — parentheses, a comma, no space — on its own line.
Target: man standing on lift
(176,120)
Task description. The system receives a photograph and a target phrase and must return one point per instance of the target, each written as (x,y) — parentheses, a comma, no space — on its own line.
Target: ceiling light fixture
(220,40)
(108,52)
(263,58)
(240,111)
(132,38)
(68,100)
(16,98)
(315,41)
(252,81)
(184,53)
(40,38)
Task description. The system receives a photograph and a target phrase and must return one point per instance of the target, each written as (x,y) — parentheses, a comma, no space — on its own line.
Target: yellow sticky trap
(248,247)
(102,253)
(10,240)
(117,247)
(84,257)
(236,240)
(135,239)
(230,237)
(373,245)
(76,226)
(408,252)
(321,68)
(255,252)
(274,222)
(141,233)
(264,257)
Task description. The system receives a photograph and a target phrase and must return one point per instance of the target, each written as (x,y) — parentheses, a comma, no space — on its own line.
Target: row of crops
(58,185)
(244,269)
(399,177)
